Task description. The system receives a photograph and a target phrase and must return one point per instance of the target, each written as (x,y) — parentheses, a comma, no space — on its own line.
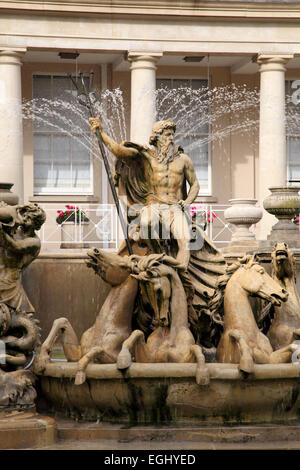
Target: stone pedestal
(284,204)
(242,214)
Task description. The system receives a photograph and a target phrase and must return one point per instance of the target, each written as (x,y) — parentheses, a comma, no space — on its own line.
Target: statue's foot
(80,377)
(124,359)
(202,375)
(246,364)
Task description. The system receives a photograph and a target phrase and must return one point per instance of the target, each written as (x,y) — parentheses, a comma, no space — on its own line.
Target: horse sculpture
(103,341)
(107,340)
(285,326)
(172,340)
(242,342)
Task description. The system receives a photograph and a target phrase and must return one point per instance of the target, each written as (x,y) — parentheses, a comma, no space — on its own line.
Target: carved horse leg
(284,355)
(246,359)
(72,349)
(202,373)
(90,356)
(124,358)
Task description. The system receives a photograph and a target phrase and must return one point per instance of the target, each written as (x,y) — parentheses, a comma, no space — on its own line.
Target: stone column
(143,86)
(272,136)
(11,132)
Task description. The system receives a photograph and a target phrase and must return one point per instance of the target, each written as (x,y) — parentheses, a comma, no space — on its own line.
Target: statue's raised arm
(119,150)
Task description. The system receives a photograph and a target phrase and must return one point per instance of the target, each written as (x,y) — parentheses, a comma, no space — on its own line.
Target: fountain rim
(217,371)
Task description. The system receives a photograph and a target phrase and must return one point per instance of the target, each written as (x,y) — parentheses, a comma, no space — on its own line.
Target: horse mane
(150,265)
(216,307)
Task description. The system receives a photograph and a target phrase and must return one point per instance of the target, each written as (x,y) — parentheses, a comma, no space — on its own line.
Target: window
(185,101)
(293,133)
(62,156)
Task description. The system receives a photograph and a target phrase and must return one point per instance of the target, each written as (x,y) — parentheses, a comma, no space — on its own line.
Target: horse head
(282,261)
(155,279)
(256,281)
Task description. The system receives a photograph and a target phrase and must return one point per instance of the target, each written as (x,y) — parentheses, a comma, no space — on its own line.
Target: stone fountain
(169,323)
(177,339)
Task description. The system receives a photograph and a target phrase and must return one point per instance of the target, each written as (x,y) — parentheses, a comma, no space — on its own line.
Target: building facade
(138,47)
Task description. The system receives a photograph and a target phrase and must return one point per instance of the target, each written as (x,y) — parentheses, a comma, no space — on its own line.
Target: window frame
(288,90)
(58,191)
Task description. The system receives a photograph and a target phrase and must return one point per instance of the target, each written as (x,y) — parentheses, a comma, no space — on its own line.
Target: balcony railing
(98,225)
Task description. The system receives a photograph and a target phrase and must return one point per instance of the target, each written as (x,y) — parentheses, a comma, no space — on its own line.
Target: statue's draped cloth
(206,264)
(12,292)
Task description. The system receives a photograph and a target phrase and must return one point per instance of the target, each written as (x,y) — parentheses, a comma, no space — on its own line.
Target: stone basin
(168,393)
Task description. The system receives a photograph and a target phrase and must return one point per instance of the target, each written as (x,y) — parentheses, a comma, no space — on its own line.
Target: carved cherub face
(32,216)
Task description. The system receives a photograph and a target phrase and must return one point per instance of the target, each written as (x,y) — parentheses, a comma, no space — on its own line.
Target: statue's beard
(167,149)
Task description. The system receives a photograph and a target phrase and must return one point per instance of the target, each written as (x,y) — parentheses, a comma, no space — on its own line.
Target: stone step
(83,431)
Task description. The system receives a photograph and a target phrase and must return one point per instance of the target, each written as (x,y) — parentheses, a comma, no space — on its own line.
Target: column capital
(12,56)
(143,60)
(272,62)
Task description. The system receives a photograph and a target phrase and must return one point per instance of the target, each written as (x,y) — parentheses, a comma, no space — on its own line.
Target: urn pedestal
(242,214)
(284,204)
(7,195)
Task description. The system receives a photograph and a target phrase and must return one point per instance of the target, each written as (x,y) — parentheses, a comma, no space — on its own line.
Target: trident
(87,99)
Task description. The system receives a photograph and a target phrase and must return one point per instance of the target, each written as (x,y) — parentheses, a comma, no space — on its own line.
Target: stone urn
(242,214)
(284,204)
(7,195)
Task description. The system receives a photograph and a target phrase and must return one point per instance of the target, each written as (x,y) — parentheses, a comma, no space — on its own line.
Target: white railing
(98,225)
(94,225)
(218,230)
